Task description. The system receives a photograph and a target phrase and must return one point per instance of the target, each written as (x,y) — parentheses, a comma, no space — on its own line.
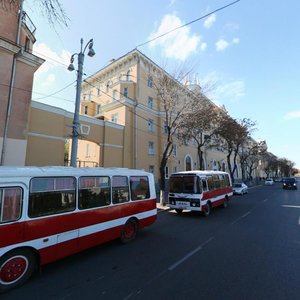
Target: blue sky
(249,52)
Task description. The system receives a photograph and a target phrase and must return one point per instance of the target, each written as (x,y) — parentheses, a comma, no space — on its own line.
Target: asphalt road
(250,250)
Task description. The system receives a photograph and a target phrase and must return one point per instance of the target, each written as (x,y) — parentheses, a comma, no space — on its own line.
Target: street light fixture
(76,123)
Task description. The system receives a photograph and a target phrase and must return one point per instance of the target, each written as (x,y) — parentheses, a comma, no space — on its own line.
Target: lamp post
(76,123)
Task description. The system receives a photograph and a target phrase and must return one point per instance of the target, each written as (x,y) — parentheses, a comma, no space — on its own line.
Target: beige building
(123,93)
(18,65)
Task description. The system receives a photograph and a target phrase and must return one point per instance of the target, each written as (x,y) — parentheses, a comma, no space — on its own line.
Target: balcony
(28,23)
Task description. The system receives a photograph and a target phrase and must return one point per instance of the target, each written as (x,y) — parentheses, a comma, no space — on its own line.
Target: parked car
(269,181)
(240,188)
(289,183)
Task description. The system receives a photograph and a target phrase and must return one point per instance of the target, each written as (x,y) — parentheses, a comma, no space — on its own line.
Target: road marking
(291,206)
(179,262)
(241,217)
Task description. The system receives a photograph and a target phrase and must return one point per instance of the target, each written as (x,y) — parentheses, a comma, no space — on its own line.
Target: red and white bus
(199,190)
(47,213)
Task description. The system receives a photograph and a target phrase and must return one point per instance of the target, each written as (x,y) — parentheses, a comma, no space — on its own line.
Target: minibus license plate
(182,203)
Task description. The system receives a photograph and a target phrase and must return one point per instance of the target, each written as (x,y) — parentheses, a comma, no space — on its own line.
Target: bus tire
(207,209)
(179,210)
(226,202)
(129,231)
(16,267)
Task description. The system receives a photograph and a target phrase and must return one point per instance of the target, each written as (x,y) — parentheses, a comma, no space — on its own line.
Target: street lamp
(76,123)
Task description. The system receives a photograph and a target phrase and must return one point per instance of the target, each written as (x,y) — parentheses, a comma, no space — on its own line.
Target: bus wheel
(129,231)
(207,209)
(225,203)
(15,268)
(178,210)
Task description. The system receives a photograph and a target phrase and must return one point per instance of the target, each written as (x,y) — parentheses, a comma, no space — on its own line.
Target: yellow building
(123,93)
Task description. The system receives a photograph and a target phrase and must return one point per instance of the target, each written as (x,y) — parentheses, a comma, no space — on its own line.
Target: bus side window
(210,183)
(51,195)
(120,189)
(139,187)
(93,192)
(10,204)
(204,185)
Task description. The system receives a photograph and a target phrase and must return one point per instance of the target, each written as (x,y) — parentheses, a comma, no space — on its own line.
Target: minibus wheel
(179,210)
(225,203)
(129,231)
(16,267)
(207,209)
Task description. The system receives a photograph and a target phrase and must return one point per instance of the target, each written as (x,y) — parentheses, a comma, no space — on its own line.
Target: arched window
(188,164)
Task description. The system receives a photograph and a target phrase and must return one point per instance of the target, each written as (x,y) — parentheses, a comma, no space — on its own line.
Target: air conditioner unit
(84,129)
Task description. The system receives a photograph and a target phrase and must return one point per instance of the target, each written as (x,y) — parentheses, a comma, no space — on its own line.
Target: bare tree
(175,103)
(51,9)
(200,125)
(234,133)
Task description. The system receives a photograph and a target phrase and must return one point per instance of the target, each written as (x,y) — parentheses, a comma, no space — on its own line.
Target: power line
(191,22)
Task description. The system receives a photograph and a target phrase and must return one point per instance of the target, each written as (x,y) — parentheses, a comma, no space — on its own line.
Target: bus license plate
(182,204)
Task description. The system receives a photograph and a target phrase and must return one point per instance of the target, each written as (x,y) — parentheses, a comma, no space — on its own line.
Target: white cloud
(208,23)
(178,44)
(203,46)
(53,59)
(231,91)
(221,45)
(50,79)
(292,115)
(235,41)
(171,3)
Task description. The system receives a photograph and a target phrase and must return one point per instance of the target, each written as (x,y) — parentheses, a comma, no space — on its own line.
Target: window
(115,94)
(165,129)
(10,204)
(150,125)
(166,172)
(204,185)
(139,187)
(85,110)
(51,195)
(128,75)
(98,109)
(27,44)
(151,169)
(87,150)
(93,192)
(175,169)
(125,92)
(120,189)
(99,92)
(107,86)
(174,150)
(150,82)
(150,102)
(150,148)
(115,117)
(210,183)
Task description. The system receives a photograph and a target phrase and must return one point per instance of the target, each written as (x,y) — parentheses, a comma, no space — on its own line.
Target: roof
(6,172)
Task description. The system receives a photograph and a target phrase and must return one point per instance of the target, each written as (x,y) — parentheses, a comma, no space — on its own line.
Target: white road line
(241,217)
(171,268)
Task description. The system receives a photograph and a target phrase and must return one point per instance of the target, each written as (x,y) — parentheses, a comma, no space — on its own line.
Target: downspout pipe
(11,86)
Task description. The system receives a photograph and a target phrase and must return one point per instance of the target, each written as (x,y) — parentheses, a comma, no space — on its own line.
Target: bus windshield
(185,184)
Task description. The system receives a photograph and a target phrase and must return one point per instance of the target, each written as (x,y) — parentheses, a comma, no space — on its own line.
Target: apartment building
(123,93)
(18,65)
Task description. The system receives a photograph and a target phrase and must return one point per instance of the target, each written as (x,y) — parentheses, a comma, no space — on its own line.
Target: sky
(248,54)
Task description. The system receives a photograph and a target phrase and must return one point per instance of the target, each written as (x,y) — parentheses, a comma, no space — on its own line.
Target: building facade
(18,65)
(124,93)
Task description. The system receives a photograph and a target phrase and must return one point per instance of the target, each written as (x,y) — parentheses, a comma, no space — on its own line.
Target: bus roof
(198,172)
(6,172)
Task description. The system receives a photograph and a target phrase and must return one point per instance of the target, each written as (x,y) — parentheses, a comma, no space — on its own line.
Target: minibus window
(120,189)
(10,204)
(51,195)
(139,187)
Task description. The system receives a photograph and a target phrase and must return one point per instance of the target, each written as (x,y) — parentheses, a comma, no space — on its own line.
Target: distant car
(269,181)
(289,183)
(240,188)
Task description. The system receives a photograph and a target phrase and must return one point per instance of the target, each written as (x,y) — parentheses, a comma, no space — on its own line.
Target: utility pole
(76,123)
